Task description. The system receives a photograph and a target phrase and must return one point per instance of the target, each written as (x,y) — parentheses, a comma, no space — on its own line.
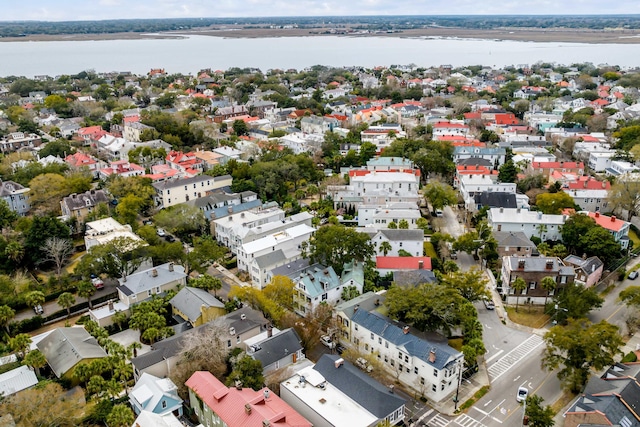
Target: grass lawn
(73,262)
(429,250)
(531,316)
(634,238)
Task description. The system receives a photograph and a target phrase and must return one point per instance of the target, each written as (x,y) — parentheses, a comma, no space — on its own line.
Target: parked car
(98,283)
(362,363)
(489,305)
(439,213)
(38,309)
(326,341)
(160,232)
(340,349)
(169,238)
(633,275)
(523,392)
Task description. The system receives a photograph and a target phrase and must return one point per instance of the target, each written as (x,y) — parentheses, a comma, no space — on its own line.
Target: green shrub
(630,357)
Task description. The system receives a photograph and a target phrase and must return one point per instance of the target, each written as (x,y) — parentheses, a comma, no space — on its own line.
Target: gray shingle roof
(65,347)
(172,346)
(270,258)
(277,347)
(90,198)
(415,346)
(145,280)
(366,391)
(513,239)
(403,235)
(496,200)
(190,301)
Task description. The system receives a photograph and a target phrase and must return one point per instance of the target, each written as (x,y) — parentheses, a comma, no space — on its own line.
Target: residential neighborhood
(445,246)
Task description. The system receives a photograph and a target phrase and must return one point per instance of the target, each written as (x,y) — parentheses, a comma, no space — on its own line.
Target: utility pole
(458,388)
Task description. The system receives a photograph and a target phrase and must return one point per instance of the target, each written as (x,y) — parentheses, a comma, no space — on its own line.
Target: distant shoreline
(554,35)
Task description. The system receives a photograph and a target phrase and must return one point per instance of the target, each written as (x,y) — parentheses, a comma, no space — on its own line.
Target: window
(421,380)
(158,289)
(406,358)
(408,369)
(356,327)
(386,344)
(392,362)
(149,292)
(400,355)
(238,339)
(386,358)
(366,346)
(434,388)
(532,285)
(435,373)
(164,404)
(400,367)
(442,387)
(372,335)
(415,370)
(379,340)
(228,343)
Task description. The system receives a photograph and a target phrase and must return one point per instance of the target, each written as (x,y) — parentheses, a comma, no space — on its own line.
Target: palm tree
(66,300)
(385,247)
(36,360)
(120,416)
(86,290)
(518,286)
(34,298)
(133,348)
(542,228)
(548,284)
(20,343)
(119,318)
(6,314)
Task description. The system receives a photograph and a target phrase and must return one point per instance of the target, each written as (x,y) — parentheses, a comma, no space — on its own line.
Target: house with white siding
(531,223)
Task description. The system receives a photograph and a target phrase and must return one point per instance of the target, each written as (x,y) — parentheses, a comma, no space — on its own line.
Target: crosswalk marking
(465,420)
(514,356)
(438,421)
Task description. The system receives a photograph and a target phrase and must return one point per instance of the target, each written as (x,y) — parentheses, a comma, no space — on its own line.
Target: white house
(601,161)
(410,240)
(335,393)
(288,240)
(373,187)
(589,194)
(380,216)
(382,136)
(431,368)
(495,155)
(174,192)
(105,230)
(140,286)
(473,185)
(531,223)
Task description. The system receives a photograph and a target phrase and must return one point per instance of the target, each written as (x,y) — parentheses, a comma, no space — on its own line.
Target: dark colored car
(169,238)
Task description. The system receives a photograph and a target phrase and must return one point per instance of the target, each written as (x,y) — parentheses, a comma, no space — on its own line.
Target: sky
(75,10)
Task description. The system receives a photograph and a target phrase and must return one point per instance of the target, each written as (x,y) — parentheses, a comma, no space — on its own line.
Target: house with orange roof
(216,404)
(91,133)
(547,168)
(186,163)
(618,228)
(79,161)
(122,168)
(588,193)
(161,173)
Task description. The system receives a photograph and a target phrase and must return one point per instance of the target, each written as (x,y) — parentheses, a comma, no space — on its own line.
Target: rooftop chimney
(420,265)
(247,407)
(338,362)
(432,355)
(356,307)
(110,305)
(521,263)
(405,330)
(613,218)
(597,214)
(549,264)
(266,394)
(238,385)
(170,266)
(154,273)
(377,302)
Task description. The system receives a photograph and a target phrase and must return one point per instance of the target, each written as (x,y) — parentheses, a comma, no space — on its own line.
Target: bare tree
(58,250)
(203,349)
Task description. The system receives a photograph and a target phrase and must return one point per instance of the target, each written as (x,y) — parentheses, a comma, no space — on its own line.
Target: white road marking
(495,355)
(514,356)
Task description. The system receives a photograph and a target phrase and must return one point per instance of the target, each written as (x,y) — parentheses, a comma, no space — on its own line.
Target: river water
(192,53)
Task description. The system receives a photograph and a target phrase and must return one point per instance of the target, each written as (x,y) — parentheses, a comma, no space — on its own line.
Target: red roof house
(238,406)
(403,263)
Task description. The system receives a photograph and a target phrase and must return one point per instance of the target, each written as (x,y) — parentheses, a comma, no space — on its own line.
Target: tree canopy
(336,245)
(579,347)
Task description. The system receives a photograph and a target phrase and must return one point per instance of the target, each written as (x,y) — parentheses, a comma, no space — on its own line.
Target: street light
(558,308)
(455,399)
